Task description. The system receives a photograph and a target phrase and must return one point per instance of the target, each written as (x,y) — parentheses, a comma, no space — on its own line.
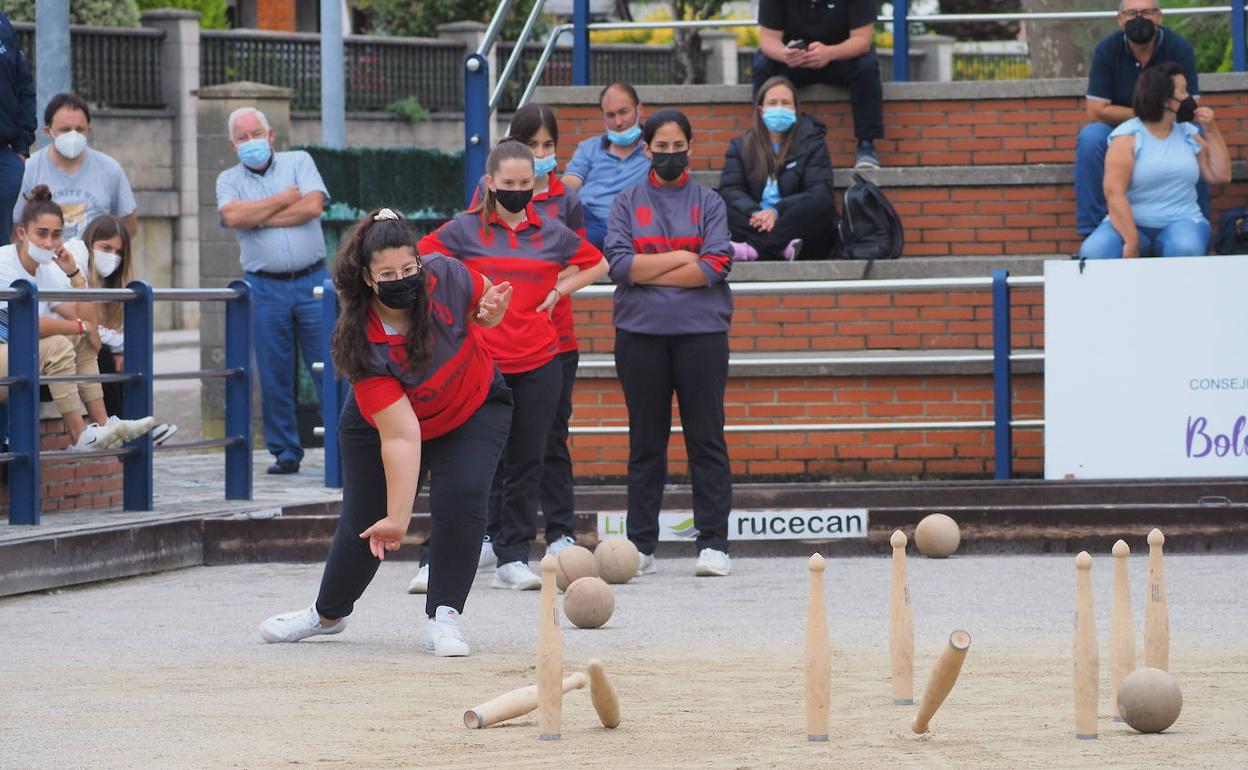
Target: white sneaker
(163,432)
(517,576)
(559,544)
(96,436)
(300,624)
(712,563)
(647,566)
(129,430)
(442,636)
(420,583)
(487,560)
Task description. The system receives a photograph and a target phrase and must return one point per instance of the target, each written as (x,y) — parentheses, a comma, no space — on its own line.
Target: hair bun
(385,214)
(40,192)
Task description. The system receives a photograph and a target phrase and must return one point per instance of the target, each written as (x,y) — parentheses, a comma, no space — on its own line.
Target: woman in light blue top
(1151,169)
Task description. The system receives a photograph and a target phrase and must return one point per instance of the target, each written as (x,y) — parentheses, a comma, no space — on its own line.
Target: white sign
(1146,368)
(770,524)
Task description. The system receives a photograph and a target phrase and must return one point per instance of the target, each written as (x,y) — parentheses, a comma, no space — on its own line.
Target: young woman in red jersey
(507,238)
(427,399)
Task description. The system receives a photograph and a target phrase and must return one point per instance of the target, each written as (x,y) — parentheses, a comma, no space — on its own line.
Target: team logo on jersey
(552,210)
(695,214)
(536,239)
(645,216)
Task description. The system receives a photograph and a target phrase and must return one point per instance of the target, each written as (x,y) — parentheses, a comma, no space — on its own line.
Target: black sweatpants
(813,219)
(514,494)
(861,76)
(695,367)
(558,507)
(112,390)
(460,466)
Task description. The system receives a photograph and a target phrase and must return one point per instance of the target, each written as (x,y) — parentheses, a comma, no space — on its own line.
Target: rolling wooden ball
(1149,700)
(588,602)
(617,559)
(571,563)
(937,536)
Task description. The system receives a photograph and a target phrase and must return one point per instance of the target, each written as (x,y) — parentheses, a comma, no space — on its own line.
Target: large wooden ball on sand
(588,602)
(1149,700)
(572,563)
(617,559)
(937,536)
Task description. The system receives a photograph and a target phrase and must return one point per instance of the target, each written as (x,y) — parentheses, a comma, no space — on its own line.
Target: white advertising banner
(1146,368)
(770,524)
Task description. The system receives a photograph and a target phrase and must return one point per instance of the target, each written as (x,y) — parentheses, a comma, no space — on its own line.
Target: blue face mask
(779,119)
(255,153)
(624,138)
(543,166)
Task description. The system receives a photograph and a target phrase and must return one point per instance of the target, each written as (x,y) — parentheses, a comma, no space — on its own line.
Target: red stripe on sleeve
(433,243)
(718,262)
(373,394)
(587,255)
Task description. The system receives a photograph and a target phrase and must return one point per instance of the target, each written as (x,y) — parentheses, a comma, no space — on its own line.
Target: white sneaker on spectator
(517,576)
(129,430)
(647,565)
(442,635)
(487,560)
(712,563)
(420,583)
(96,436)
(300,624)
(163,432)
(559,544)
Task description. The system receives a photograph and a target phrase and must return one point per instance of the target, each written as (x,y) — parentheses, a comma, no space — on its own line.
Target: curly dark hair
(349,344)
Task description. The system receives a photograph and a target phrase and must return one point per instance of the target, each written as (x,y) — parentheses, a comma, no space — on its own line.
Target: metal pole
(1002,393)
(476,121)
(238,393)
(331,390)
(1239,51)
(333,89)
(136,397)
(52,55)
(901,41)
(516,52)
(25,490)
(580,42)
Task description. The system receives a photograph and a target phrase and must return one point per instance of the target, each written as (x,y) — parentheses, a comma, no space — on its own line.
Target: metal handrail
(822,427)
(848,286)
(516,52)
(738,362)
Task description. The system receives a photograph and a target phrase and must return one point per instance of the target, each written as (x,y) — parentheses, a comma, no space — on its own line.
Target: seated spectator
(1116,64)
(1151,169)
(67,344)
(821,42)
(604,166)
(777,182)
(85,183)
(17,122)
(103,256)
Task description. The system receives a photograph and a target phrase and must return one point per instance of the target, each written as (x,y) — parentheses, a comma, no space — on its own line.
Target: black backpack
(1232,237)
(870,228)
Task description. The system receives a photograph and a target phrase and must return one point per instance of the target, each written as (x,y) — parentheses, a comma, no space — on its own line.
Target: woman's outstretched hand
(386,535)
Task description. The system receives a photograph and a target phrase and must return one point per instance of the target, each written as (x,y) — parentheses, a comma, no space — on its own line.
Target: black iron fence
(112,67)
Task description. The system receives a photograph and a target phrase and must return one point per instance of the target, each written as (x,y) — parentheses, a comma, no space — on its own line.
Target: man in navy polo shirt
(604,166)
(1116,63)
(17,122)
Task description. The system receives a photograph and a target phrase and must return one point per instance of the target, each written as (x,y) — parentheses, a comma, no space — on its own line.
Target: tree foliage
(95,13)
(420,18)
(980,30)
(211,12)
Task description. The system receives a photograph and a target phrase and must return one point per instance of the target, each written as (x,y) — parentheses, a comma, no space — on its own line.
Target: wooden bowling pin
(818,655)
(602,694)
(514,704)
(1087,663)
(901,626)
(1121,626)
(1156,611)
(944,676)
(549,658)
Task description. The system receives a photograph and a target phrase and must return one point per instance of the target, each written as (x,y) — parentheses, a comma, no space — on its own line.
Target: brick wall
(89,484)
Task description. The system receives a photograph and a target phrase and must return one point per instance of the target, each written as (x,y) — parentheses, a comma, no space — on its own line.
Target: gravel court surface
(168,671)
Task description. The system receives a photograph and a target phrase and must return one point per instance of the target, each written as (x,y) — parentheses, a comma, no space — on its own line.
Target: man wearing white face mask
(84,182)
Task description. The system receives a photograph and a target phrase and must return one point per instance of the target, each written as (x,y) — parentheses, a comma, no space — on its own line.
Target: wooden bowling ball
(937,536)
(1149,700)
(571,563)
(588,602)
(617,559)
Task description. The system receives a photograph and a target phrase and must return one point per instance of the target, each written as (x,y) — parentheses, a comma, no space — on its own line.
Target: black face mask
(403,293)
(1186,111)
(669,165)
(513,200)
(1140,30)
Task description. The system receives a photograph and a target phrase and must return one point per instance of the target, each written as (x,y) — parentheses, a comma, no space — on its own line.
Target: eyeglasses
(1148,13)
(410,269)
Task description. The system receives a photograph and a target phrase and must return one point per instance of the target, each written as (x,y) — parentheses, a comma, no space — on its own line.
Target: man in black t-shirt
(826,41)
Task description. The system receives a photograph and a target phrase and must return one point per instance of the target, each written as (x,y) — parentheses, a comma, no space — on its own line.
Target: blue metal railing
(24,455)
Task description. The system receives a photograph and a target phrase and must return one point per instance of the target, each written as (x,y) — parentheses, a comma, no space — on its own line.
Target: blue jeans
(285,314)
(595,230)
(1178,239)
(1090,208)
(11,169)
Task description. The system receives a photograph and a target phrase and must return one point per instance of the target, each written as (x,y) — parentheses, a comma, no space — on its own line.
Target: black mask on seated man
(1140,30)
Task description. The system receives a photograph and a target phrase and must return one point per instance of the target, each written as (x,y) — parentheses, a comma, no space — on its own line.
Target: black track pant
(556,488)
(812,218)
(695,367)
(460,466)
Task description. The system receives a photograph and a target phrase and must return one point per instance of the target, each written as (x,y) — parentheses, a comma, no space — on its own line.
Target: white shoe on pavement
(558,544)
(517,576)
(487,560)
(420,583)
(95,437)
(300,624)
(129,430)
(647,566)
(442,635)
(712,563)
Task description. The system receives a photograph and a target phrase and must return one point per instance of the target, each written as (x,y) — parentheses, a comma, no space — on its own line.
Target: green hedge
(412,180)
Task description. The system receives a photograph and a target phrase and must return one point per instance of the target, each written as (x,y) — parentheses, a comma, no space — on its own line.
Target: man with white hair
(273,201)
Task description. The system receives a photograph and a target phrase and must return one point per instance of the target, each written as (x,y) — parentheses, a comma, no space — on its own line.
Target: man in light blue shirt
(273,201)
(606,165)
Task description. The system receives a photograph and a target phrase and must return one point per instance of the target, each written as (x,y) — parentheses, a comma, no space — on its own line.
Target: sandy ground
(167,671)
